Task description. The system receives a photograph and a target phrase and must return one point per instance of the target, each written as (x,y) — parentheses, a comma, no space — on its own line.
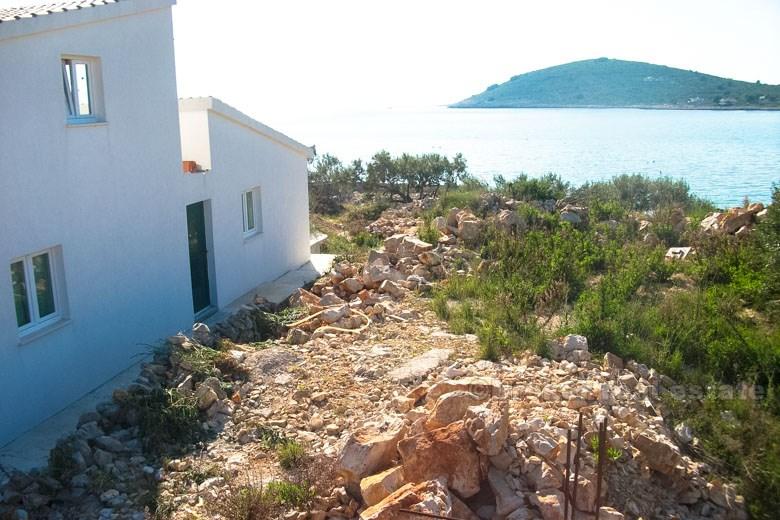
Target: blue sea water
(723,155)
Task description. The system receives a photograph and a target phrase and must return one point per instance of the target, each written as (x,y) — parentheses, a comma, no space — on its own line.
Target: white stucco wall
(241,158)
(108,194)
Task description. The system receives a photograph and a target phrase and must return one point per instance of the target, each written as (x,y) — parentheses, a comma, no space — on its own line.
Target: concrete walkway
(31,449)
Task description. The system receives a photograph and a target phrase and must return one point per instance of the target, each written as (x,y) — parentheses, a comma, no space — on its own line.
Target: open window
(83,89)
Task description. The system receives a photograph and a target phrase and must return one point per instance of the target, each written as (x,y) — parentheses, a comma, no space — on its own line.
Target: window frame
(37,322)
(257,216)
(68,64)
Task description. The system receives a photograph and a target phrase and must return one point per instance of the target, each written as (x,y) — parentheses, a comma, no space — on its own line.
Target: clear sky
(301,55)
(285,59)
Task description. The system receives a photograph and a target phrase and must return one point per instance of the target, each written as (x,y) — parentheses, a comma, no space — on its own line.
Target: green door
(199,264)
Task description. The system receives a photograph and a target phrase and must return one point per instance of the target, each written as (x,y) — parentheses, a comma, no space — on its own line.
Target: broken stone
(376,488)
(507,500)
(445,452)
(334,314)
(659,453)
(451,407)
(369,450)
(483,387)
(427,497)
(420,366)
(488,426)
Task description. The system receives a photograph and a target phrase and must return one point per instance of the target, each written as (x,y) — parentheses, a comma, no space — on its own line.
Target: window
(253,219)
(80,80)
(35,291)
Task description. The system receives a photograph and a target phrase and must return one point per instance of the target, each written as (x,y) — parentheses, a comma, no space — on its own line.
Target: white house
(255,188)
(109,246)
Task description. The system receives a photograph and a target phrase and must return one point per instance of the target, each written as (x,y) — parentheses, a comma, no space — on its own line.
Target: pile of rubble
(735,221)
(350,297)
(401,219)
(488,441)
(459,223)
(107,445)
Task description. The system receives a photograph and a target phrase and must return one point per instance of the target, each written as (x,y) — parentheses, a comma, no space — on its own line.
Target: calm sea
(723,156)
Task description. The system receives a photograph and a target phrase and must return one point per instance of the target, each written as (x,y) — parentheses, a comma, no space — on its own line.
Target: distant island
(609,83)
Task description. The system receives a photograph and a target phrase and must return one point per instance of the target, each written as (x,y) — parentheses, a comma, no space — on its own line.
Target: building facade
(108,246)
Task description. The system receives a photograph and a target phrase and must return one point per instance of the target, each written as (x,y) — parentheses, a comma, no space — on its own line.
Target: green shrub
(289,494)
(247,502)
(367,212)
(167,419)
(463,198)
(62,465)
(291,454)
(549,186)
(742,438)
(640,193)
(606,210)
(366,240)
(428,232)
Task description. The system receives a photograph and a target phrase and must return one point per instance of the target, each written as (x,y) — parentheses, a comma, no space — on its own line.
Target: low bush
(641,193)
(741,438)
(291,454)
(546,187)
(168,420)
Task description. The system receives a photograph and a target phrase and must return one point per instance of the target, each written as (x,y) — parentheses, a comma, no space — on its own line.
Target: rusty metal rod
(600,466)
(566,475)
(429,515)
(577,465)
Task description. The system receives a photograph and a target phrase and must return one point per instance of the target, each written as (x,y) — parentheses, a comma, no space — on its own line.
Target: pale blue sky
(286,59)
(283,60)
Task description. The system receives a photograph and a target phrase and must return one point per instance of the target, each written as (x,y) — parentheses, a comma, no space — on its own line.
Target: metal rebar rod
(567,474)
(600,466)
(576,466)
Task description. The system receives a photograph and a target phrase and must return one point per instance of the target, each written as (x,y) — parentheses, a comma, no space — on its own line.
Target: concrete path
(31,449)
(279,290)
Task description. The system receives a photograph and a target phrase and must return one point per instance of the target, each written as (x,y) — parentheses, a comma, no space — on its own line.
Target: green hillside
(605,82)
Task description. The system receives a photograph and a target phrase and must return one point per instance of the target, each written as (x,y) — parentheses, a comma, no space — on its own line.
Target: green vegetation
(291,454)
(617,83)
(62,465)
(167,419)
(401,176)
(549,186)
(384,178)
(707,321)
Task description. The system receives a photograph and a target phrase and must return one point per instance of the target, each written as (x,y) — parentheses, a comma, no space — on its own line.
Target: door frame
(208,228)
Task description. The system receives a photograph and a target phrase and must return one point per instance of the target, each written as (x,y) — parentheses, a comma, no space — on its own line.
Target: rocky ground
(396,412)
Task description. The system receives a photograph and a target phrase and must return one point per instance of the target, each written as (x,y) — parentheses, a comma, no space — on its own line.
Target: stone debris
(735,221)
(401,407)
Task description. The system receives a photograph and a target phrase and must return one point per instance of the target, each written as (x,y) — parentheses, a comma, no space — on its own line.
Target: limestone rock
(334,314)
(613,362)
(376,488)
(298,337)
(659,453)
(411,247)
(550,503)
(608,513)
(428,497)
(507,500)
(445,452)
(481,386)
(451,407)
(369,450)
(509,221)
(488,426)
(420,366)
